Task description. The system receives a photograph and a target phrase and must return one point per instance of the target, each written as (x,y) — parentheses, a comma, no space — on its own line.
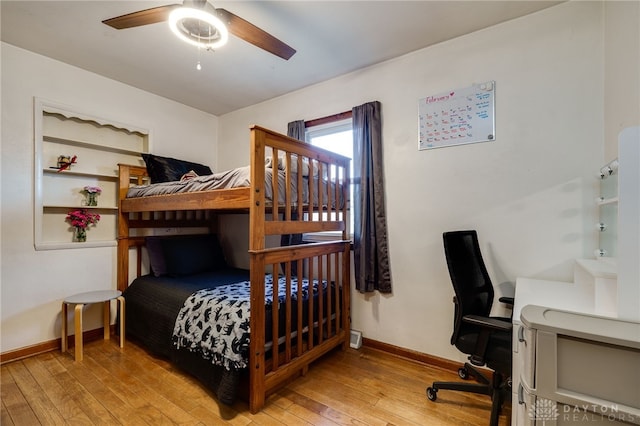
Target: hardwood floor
(127,386)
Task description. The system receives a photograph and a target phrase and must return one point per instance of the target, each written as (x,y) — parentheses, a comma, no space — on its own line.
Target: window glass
(336,137)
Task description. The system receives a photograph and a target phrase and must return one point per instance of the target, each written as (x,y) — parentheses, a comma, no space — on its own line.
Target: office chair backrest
(471,282)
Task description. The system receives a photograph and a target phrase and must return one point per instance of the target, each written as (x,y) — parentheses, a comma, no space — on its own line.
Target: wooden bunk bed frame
(271,367)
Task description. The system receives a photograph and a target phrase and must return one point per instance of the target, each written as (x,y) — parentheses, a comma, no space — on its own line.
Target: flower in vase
(92,193)
(92,189)
(81,218)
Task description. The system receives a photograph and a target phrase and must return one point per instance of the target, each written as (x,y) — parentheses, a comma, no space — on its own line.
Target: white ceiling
(331,38)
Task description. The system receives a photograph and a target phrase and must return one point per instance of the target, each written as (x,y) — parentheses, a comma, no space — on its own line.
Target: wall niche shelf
(90,145)
(46,206)
(99,145)
(74,173)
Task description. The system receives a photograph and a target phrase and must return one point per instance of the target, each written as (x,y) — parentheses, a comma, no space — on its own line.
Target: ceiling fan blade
(142,17)
(254,35)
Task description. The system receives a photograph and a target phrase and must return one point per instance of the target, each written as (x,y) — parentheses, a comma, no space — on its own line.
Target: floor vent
(356,339)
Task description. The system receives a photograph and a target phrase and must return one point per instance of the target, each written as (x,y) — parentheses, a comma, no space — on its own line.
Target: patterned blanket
(215,322)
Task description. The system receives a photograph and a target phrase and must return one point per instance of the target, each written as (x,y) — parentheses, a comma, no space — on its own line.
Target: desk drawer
(522,408)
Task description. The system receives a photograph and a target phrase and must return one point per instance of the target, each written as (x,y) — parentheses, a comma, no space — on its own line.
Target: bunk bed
(288,188)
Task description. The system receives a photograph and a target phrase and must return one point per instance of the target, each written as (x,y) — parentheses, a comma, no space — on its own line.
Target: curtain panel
(296,130)
(371,249)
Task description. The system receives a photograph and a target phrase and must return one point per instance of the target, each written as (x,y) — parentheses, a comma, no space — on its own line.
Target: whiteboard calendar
(458,117)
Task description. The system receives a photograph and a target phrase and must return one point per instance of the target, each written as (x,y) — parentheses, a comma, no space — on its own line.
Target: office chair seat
(498,354)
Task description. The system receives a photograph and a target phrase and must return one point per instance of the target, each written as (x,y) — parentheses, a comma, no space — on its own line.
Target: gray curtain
(295,129)
(371,251)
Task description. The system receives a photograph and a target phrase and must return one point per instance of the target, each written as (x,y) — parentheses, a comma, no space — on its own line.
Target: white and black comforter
(215,322)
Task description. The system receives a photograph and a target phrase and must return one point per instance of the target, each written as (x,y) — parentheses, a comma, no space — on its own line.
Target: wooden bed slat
(219,199)
(282,227)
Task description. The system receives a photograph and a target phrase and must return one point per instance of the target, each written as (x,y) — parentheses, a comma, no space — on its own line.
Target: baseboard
(421,357)
(97,334)
(51,345)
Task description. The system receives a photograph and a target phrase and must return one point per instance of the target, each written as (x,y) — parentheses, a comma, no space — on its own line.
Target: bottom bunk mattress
(201,322)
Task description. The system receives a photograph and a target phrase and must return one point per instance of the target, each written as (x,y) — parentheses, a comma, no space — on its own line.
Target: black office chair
(487,340)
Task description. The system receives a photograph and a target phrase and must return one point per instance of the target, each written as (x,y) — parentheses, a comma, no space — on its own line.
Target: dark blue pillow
(167,169)
(156,256)
(185,254)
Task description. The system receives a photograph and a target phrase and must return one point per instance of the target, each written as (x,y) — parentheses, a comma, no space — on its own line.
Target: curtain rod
(328,119)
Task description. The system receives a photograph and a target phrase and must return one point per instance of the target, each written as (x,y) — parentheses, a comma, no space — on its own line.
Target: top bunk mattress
(235,178)
(240,178)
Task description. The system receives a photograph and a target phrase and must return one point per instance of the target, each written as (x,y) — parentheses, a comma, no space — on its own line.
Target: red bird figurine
(65,165)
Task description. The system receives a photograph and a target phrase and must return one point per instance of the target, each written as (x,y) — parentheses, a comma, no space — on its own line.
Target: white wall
(35,282)
(629,220)
(529,193)
(622,68)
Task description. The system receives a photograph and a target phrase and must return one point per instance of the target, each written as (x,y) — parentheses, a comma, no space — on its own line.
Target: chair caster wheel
(432,394)
(463,373)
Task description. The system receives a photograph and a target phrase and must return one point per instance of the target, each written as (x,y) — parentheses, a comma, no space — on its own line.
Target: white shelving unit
(99,145)
(608,211)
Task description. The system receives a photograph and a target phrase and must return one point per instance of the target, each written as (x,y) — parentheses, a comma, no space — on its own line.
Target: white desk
(591,294)
(581,369)
(552,294)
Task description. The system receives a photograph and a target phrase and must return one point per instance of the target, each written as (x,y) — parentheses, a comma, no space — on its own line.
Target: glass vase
(80,234)
(92,199)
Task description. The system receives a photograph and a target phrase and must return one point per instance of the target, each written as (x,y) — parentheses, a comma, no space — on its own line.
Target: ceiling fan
(199,23)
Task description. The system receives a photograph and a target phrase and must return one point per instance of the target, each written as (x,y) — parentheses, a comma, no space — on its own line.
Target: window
(335,136)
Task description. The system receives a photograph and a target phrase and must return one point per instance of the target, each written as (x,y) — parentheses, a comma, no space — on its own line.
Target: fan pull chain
(198,65)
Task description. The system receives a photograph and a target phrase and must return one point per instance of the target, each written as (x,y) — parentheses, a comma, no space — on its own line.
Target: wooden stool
(105,297)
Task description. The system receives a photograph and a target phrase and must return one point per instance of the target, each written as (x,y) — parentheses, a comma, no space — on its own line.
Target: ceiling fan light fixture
(198,27)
